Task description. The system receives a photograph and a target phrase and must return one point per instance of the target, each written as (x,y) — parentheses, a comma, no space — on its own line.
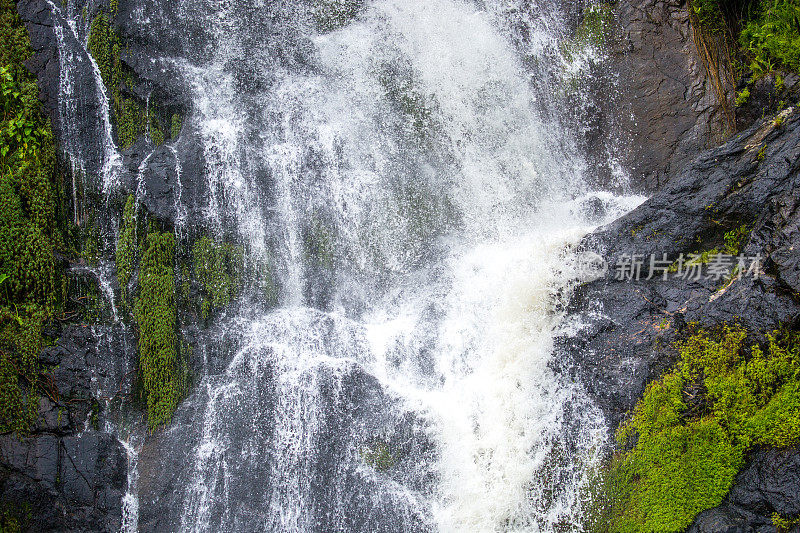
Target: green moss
(130,122)
(216,269)
(156,135)
(330,15)
(595,30)
(689,434)
(596,24)
(378,455)
(772,38)
(161,370)
(126,249)
(176,126)
(100,44)
(104,45)
(30,280)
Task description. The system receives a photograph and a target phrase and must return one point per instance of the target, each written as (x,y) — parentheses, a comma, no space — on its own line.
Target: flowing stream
(403,180)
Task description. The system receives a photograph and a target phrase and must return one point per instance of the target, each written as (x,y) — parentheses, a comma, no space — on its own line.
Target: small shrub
(743,97)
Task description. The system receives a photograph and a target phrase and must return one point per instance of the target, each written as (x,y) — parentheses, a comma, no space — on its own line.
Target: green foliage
(593,31)
(689,433)
(783,525)
(595,27)
(162,372)
(743,97)
(100,44)
(216,268)
(29,235)
(772,38)
(330,15)
(177,125)
(156,135)
(130,122)
(104,45)
(709,15)
(126,249)
(378,455)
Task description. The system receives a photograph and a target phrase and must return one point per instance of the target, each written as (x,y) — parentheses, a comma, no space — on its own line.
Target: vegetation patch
(30,279)
(176,126)
(126,249)
(772,37)
(217,270)
(162,371)
(688,435)
(378,455)
(105,46)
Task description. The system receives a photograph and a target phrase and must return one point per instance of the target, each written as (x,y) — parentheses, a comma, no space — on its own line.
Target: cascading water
(400,173)
(437,168)
(77,66)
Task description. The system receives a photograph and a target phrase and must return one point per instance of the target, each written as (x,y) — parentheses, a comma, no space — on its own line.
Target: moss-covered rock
(30,278)
(217,270)
(688,435)
(161,370)
(126,249)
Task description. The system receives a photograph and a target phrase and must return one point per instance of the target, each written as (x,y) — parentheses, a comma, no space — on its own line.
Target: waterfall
(403,170)
(437,165)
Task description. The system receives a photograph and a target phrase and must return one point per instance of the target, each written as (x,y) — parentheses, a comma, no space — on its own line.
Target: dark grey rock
(664,99)
(629,327)
(770,483)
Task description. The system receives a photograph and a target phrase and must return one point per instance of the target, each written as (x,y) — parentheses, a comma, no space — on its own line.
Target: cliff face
(665,102)
(71,471)
(631,329)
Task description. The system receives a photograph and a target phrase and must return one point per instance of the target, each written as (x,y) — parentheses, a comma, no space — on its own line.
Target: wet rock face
(769,484)
(725,189)
(629,327)
(336,412)
(66,475)
(665,101)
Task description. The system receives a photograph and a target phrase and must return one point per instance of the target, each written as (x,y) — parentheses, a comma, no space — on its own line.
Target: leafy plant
(743,97)
(772,38)
(29,234)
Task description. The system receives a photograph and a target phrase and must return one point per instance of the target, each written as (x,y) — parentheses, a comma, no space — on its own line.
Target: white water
(452,257)
(418,146)
(73,52)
